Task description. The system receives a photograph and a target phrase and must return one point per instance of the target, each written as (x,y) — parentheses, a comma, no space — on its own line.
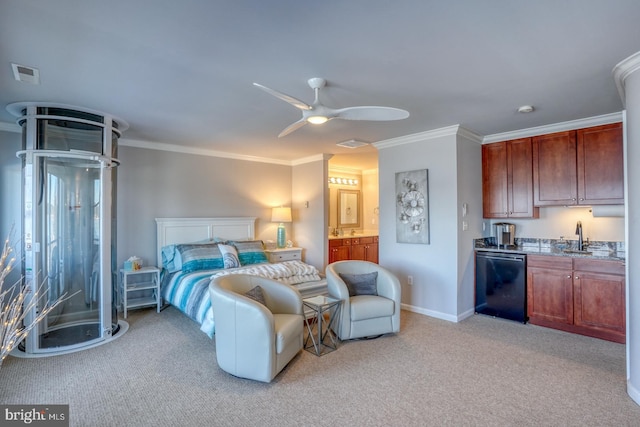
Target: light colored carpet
(478,372)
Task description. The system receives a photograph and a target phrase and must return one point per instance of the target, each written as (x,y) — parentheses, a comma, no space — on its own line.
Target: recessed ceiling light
(525,109)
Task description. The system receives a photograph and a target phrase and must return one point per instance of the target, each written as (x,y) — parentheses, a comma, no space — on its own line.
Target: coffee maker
(505,234)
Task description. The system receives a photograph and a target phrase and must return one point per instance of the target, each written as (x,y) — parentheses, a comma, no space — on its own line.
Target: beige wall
(154,183)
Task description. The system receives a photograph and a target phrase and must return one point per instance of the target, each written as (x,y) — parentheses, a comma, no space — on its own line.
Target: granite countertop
(556,247)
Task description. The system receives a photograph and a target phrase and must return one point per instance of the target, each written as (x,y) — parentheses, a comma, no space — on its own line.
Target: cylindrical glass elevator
(69,222)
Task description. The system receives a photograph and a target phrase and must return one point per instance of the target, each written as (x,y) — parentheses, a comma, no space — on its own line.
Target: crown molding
(624,69)
(310,159)
(431,134)
(556,127)
(198,151)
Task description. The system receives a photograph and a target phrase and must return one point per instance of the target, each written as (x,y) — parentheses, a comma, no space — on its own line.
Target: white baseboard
(438,314)
(633,392)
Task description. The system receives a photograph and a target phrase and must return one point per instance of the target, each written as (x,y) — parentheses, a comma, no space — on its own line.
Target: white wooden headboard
(185,230)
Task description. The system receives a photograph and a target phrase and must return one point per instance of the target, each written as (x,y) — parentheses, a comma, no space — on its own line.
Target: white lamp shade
(281,215)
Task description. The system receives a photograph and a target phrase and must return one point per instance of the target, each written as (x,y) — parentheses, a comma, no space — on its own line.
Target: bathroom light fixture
(342,181)
(525,109)
(281,215)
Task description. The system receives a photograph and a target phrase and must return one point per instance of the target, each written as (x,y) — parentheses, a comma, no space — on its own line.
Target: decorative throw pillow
(256,294)
(250,251)
(200,257)
(229,256)
(361,284)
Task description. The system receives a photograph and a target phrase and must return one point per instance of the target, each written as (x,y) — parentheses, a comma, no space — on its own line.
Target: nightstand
(136,282)
(284,254)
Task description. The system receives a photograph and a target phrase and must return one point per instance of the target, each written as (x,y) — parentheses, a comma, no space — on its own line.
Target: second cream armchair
(365,315)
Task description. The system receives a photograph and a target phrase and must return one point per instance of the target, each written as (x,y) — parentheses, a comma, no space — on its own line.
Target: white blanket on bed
(288,272)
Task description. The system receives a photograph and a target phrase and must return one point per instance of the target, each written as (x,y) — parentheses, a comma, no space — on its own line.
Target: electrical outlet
(410,280)
(465,225)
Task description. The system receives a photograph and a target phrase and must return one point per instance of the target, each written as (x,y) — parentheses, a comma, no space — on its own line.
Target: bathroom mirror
(348,208)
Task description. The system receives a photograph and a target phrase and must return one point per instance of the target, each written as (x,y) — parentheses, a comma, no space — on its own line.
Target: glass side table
(322,340)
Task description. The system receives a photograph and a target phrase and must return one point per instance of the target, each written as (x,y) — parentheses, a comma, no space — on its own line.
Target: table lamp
(281,215)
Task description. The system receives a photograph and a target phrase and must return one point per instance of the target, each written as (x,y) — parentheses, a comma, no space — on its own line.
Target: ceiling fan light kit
(317,120)
(316,113)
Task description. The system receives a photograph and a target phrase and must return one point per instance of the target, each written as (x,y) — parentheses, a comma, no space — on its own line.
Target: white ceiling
(181,72)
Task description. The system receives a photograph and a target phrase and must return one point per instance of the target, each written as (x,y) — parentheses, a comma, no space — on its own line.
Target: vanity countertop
(354,236)
(614,251)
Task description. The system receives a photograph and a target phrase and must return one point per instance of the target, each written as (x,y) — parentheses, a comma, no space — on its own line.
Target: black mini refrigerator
(501,285)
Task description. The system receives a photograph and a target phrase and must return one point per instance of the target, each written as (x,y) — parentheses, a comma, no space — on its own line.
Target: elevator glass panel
(68,223)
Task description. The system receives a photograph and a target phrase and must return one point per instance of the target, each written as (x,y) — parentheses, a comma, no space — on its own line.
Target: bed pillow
(250,252)
(361,284)
(171,260)
(256,294)
(200,257)
(229,256)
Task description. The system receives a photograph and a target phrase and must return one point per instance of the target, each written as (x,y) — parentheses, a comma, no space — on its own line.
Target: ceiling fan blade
(371,113)
(290,99)
(292,127)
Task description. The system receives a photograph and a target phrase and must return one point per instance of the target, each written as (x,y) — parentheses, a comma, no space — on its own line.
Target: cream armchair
(365,315)
(253,340)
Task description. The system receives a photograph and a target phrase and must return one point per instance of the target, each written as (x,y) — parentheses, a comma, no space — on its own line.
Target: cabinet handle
(582,199)
(577,278)
(569,277)
(573,198)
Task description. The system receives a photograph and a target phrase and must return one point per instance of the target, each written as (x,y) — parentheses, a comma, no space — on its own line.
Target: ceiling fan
(316,113)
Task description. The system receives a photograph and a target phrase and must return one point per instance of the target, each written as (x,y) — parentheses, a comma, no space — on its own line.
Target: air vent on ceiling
(26,74)
(352,143)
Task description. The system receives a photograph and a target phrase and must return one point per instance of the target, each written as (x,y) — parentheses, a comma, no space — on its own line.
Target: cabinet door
(600,165)
(554,169)
(599,302)
(339,250)
(520,179)
(549,295)
(494,180)
(372,252)
(358,250)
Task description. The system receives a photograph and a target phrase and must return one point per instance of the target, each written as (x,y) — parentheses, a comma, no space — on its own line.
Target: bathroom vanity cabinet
(354,248)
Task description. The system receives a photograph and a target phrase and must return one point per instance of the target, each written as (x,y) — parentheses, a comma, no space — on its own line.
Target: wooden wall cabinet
(507,180)
(579,295)
(354,248)
(579,167)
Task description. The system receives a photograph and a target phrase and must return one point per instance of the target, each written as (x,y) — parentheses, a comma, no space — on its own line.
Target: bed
(191,251)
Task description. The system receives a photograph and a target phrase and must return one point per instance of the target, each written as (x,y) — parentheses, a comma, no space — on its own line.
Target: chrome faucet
(579,233)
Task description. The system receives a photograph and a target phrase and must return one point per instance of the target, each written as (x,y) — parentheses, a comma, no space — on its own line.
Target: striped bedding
(189,292)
